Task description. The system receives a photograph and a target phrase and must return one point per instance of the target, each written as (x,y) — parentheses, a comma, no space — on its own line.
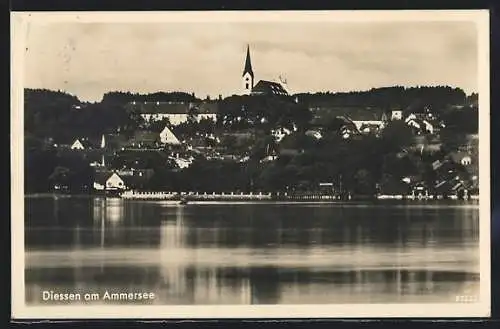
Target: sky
(207,58)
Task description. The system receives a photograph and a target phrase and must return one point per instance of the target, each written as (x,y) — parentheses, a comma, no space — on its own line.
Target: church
(263,87)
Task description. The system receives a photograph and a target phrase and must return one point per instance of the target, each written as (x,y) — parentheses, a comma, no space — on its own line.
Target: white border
(19,24)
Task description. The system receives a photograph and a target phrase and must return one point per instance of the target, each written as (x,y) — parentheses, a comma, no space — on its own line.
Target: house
(396,114)
(421,123)
(469,161)
(280,133)
(419,191)
(314,133)
(168,137)
(370,128)
(371,118)
(347,128)
(428,127)
(326,188)
(206,111)
(182,163)
(451,188)
(462,158)
(80,144)
(106,181)
(175,112)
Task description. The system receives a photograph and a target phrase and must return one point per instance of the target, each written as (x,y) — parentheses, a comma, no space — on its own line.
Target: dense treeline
(126,97)
(62,117)
(388,98)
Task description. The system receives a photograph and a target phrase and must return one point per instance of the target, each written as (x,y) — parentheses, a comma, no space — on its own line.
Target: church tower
(247,77)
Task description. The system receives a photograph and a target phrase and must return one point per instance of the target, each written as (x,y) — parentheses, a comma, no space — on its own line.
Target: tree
(397,135)
(451,140)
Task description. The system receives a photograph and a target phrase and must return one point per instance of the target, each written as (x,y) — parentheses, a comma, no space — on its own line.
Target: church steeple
(248,77)
(248,63)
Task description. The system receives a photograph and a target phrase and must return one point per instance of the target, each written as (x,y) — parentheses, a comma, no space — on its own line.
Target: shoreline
(206,198)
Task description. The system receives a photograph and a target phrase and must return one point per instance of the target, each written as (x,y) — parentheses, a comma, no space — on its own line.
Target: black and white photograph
(246,164)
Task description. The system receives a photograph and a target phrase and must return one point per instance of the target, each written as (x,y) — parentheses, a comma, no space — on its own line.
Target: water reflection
(251,254)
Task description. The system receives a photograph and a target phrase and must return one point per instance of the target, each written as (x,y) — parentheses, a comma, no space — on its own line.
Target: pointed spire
(248,63)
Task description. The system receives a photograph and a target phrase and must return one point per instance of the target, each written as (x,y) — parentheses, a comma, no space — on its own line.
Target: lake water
(244,253)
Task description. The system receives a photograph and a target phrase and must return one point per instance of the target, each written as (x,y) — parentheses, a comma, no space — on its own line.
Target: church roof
(248,63)
(268,87)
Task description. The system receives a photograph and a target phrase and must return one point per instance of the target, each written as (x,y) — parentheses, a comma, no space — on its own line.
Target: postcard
(244,164)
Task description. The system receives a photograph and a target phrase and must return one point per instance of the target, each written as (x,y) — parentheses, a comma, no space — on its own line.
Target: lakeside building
(108,181)
(175,112)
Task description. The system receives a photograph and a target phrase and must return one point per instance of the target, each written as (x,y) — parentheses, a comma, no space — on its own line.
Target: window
(247,79)
(246,86)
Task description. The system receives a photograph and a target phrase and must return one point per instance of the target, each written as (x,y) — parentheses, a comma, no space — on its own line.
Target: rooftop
(173,107)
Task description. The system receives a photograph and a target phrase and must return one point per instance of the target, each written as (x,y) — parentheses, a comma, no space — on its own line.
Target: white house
(462,157)
(168,137)
(181,162)
(176,112)
(428,126)
(414,123)
(397,115)
(206,116)
(412,116)
(174,118)
(422,124)
(113,182)
(466,161)
(77,145)
(280,133)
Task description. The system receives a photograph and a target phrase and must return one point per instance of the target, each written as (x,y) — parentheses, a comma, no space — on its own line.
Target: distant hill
(387,98)
(126,97)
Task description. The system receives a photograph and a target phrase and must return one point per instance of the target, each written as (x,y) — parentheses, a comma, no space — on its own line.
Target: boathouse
(106,181)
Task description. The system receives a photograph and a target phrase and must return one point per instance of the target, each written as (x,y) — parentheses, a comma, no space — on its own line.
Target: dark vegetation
(361,165)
